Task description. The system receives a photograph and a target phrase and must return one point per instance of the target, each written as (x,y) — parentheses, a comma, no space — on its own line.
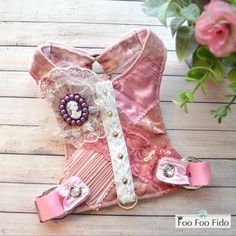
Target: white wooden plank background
(29,164)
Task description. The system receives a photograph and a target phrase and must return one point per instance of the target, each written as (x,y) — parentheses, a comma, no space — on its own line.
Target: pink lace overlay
(143,154)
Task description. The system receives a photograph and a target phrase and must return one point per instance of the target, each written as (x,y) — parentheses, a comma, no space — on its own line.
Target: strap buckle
(60,200)
(190,173)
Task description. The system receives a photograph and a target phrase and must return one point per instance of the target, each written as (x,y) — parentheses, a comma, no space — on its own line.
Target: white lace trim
(116,142)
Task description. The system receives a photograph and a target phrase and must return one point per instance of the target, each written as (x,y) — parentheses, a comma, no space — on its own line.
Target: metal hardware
(128,207)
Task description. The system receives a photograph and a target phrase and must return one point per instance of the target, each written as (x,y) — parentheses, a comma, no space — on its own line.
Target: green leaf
(230,60)
(191,79)
(175,24)
(204,54)
(203,57)
(220,112)
(162,13)
(218,68)
(191,12)
(182,95)
(157,9)
(232,75)
(189,95)
(197,73)
(173,10)
(233,2)
(229,95)
(201,3)
(185,3)
(232,85)
(186,43)
(185,108)
(151,7)
(178,102)
(203,88)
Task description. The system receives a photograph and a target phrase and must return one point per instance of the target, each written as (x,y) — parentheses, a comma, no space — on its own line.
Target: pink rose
(216,27)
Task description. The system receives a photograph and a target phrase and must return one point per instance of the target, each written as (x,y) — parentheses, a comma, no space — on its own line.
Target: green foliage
(175,24)
(181,11)
(186,43)
(221,112)
(233,2)
(191,12)
(230,60)
(205,65)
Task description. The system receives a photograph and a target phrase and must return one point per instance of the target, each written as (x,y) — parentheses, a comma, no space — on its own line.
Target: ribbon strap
(116,143)
(62,199)
(180,172)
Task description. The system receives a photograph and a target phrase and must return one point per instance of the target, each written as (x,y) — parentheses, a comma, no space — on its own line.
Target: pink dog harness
(116,146)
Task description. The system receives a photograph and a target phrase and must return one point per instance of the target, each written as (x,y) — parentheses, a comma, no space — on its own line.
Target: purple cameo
(74,109)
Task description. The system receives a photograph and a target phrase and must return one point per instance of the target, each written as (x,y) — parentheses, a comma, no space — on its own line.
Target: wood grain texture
(76,35)
(25,86)
(85,11)
(100,225)
(10,62)
(49,168)
(201,144)
(170,204)
(31,160)
(175,118)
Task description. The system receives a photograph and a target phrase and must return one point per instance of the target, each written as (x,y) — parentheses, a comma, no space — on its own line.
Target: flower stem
(232,101)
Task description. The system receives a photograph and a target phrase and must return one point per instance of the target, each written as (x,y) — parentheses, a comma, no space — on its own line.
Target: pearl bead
(62,106)
(85,109)
(110,113)
(65,116)
(77,97)
(83,105)
(72,97)
(81,100)
(68,120)
(78,122)
(82,119)
(63,102)
(120,156)
(63,112)
(85,115)
(73,122)
(67,98)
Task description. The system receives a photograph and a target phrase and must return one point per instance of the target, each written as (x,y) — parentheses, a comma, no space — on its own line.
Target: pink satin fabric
(59,201)
(185,173)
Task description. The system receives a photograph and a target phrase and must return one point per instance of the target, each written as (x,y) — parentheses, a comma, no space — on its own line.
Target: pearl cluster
(82,106)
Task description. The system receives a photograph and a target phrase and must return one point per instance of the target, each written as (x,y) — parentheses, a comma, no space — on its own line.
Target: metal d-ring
(191,159)
(48,190)
(128,207)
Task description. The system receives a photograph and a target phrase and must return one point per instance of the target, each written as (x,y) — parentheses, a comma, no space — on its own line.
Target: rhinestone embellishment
(75,191)
(168,170)
(74,109)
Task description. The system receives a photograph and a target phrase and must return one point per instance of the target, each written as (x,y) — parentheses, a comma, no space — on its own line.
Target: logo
(202,220)
(202,213)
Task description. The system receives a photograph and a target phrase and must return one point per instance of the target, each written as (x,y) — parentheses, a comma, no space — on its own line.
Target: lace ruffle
(72,80)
